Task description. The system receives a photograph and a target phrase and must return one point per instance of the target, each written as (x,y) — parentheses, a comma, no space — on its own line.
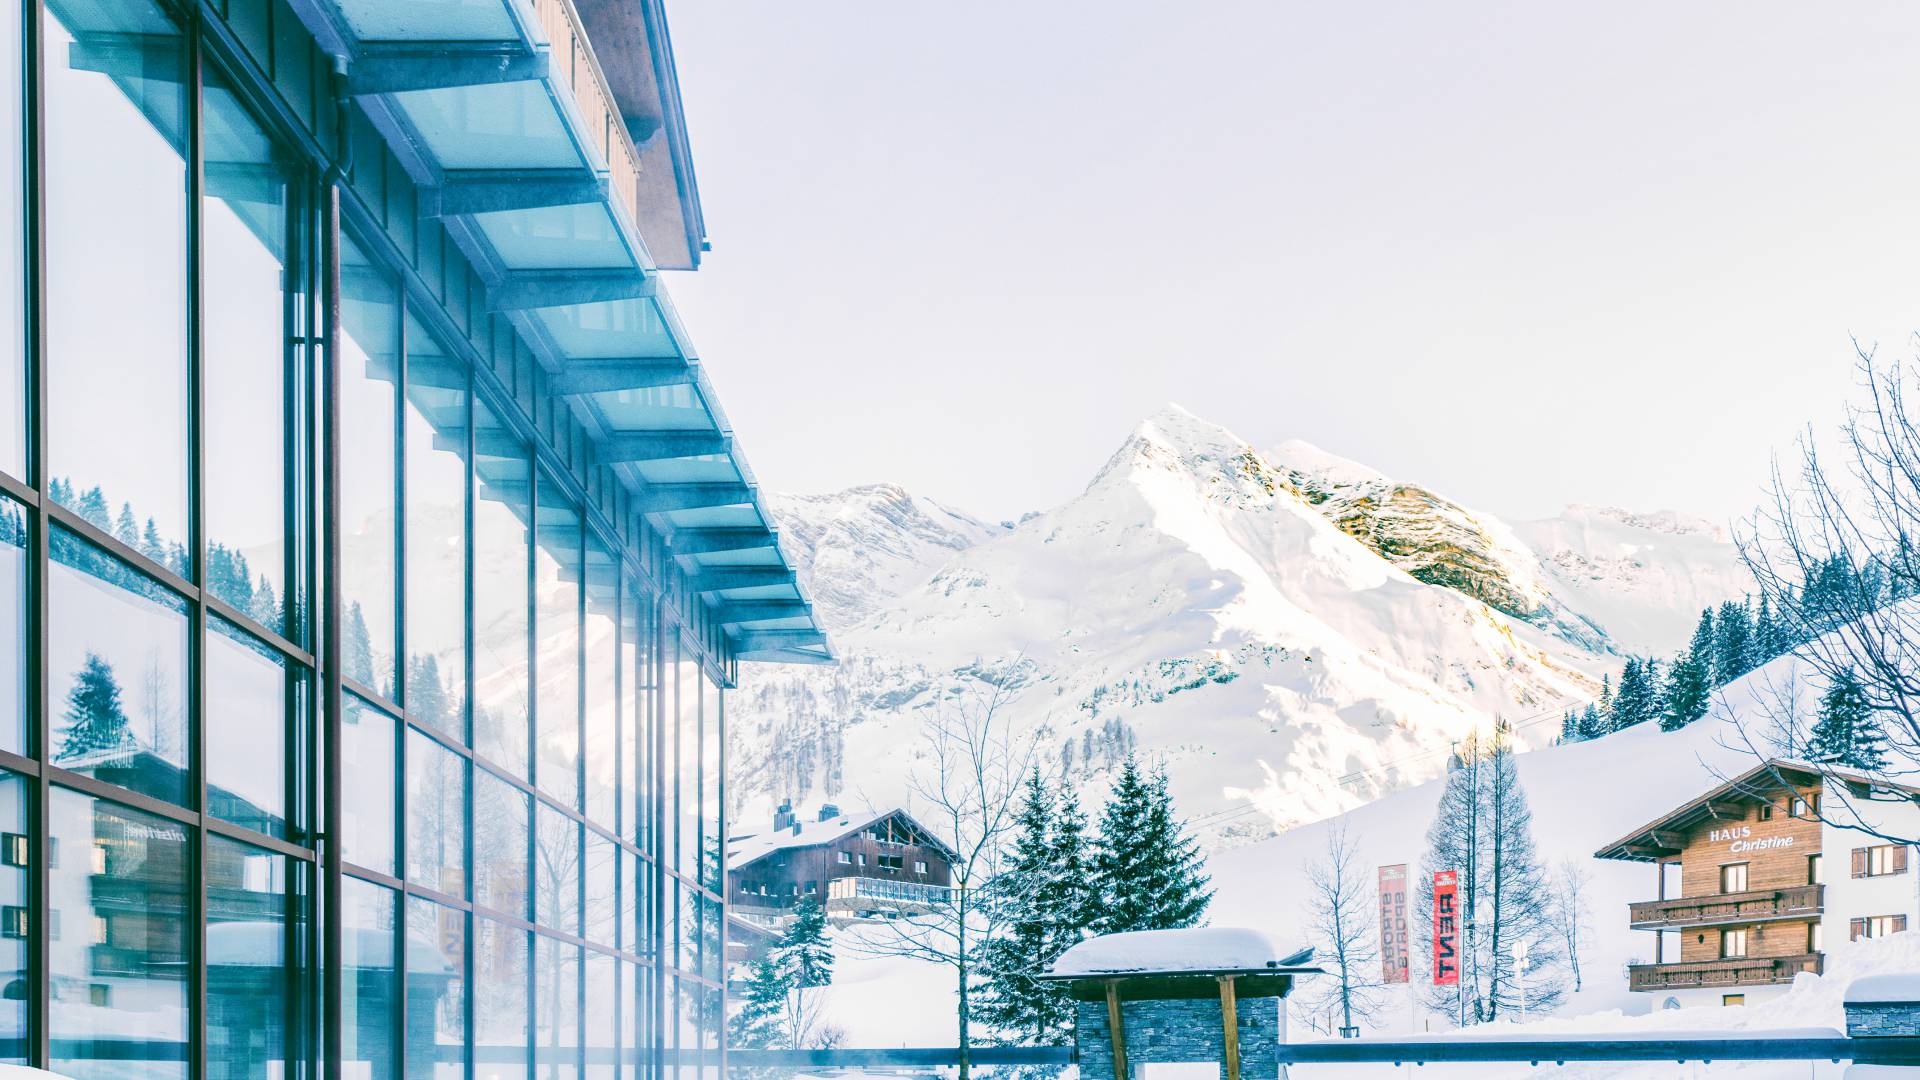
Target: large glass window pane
(499,844)
(630,976)
(13,296)
(603,902)
(436,990)
(368,763)
(501,1021)
(501,476)
(557,592)
(119,938)
(250,689)
(249,981)
(556,870)
(368,982)
(556,1003)
(600,640)
(436,816)
(602,1029)
(245,354)
(117,645)
(436,441)
(636,731)
(13,626)
(369,385)
(686,758)
(17,928)
(116,271)
(712,755)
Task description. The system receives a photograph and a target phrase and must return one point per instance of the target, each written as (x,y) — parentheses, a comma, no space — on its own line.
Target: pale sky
(1523,253)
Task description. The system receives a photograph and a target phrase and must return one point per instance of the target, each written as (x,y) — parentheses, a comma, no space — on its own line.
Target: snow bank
(1897,988)
(1206,949)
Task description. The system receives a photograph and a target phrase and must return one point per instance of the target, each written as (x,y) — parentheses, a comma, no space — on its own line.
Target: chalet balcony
(1763,905)
(859,895)
(1732,972)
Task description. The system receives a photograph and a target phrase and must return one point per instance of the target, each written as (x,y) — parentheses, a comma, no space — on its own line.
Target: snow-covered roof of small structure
(1204,950)
(1894,987)
(745,848)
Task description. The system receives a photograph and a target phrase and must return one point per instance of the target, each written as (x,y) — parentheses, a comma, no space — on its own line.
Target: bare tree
(1340,909)
(1835,550)
(1571,911)
(966,783)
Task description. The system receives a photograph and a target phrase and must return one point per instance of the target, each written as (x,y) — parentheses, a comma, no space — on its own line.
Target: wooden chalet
(865,865)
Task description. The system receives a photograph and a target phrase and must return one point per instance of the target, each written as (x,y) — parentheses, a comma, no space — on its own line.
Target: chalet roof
(1200,950)
(1660,838)
(747,848)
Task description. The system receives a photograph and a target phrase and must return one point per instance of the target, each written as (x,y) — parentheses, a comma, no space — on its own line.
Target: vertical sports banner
(1393,924)
(1446,930)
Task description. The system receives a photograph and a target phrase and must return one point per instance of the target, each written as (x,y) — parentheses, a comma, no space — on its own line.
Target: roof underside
(1666,836)
(500,112)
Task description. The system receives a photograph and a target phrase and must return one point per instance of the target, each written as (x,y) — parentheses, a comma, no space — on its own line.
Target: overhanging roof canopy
(501,114)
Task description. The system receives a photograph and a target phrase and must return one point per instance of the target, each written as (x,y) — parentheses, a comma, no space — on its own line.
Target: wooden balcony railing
(572,60)
(1798,902)
(1731,972)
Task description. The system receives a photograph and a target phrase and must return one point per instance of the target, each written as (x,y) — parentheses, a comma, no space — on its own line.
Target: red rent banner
(1393,923)
(1446,930)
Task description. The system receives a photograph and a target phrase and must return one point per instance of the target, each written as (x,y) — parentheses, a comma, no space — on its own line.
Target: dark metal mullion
(332,931)
(533,761)
(470,946)
(661,961)
(40,741)
(197,561)
(399,675)
(580,790)
(720,916)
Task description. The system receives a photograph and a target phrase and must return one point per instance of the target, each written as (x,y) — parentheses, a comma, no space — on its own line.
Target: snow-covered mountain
(858,548)
(1643,577)
(1200,600)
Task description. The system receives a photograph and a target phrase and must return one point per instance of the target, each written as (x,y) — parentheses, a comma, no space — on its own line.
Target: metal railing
(572,59)
(886,889)
(1761,905)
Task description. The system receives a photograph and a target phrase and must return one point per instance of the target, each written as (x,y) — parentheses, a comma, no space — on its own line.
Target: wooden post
(1117,1030)
(1660,939)
(1230,1026)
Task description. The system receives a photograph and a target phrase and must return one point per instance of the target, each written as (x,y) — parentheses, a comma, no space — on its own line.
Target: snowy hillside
(1643,577)
(1193,602)
(858,548)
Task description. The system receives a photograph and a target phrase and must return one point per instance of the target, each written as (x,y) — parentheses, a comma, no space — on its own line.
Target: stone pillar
(1883,1007)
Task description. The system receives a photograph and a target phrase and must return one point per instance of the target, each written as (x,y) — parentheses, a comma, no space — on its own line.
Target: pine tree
(1733,646)
(93,507)
(150,543)
(1570,727)
(95,720)
(1150,872)
(1012,1000)
(125,529)
(760,1022)
(1637,700)
(1690,684)
(1592,722)
(1846,732)
(358,646)
(804,949)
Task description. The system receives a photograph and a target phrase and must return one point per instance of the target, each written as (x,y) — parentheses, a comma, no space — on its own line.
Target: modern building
(866,865)
(374,553)
(1767,865)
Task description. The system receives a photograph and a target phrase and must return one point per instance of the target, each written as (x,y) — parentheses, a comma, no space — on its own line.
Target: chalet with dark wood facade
(865,865)
(1756,896)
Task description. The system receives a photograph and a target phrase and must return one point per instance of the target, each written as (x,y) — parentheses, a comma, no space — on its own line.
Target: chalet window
(1804,808)
(1733,877)
(1733,999)
(1733,943)
(919,866)
(1813,937)
(1816,873)
(1879,860)
(1765,812)
(1876,926)
(846,858)
(813,887)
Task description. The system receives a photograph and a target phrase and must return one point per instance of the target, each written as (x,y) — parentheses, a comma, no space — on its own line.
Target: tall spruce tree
(1636,701)
(1733,645)
(759,1022)
(1148,871)
(1847,732)
(1012,1001)
(1690,683)
(95,720)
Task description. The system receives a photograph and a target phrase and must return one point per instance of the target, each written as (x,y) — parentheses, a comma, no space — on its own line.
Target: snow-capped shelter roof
(1891,988)
(746,848)
(1200,950)
(1655,840)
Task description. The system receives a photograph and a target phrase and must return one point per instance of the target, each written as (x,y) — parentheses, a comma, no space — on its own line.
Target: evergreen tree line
(1138,869)
(1727,643)
(777,1012)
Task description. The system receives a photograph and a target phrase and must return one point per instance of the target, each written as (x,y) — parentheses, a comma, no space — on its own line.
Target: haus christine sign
(1739,840)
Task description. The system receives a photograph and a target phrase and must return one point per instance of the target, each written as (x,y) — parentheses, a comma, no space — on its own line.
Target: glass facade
(336,708)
